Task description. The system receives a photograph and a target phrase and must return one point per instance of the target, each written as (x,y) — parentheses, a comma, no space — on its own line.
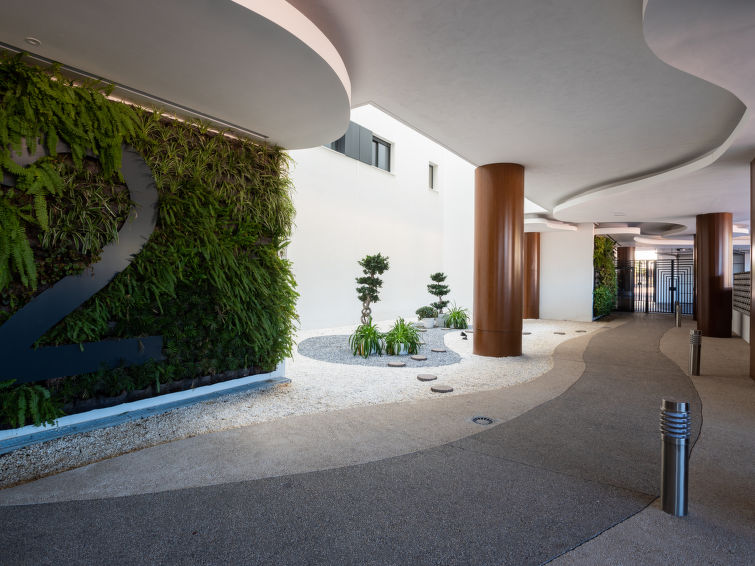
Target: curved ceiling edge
(670,174)
(653,178)
(293,21)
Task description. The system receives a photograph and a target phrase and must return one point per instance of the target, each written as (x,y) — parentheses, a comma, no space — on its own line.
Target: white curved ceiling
(570,89)
(272,73)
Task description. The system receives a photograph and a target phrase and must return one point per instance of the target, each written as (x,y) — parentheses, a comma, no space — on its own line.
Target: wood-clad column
(625,280)
(713,273)
(531,291)
(499,230)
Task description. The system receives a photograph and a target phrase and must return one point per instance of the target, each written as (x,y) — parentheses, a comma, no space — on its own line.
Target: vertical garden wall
(604,265)
(211,281)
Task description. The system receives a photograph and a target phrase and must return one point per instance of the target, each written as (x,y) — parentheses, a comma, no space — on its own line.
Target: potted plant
(458,317)
(426,316)
(366,340)
(402,338)
(440,290)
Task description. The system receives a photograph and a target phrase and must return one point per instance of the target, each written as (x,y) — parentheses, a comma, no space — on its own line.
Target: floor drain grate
(482,420)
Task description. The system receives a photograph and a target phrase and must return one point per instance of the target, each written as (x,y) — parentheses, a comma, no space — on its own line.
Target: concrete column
(713,274)
(531,290)
(499,230)
(625,280)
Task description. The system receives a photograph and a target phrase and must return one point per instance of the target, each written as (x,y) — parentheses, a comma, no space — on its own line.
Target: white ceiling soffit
(660,242)
(616,230)
(547,225)
(714,41)
(257,66)
(568,89)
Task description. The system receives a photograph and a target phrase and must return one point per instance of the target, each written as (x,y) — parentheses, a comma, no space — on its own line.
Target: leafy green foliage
(402,334)
(41,109)
(604,294)
(439,289)
(32,402)
(458,317)
(213,279)
(426,312)
(370,283)
(367,339)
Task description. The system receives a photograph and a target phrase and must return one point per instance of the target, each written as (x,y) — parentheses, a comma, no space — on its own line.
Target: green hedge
(212,279)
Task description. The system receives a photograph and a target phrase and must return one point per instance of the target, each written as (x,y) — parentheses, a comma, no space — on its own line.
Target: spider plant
(458,317)
(366,340)
(403,335)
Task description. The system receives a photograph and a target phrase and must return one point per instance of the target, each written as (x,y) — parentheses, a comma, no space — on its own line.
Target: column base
(497,343)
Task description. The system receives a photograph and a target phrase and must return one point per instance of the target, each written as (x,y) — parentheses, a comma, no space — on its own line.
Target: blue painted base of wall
(100,418)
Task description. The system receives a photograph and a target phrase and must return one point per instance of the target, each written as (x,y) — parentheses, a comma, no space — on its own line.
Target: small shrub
(27,401)
(366,340)
(426,312)
(402,334)
(458,317)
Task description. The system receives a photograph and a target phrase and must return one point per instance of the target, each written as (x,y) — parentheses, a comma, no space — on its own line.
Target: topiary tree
(369,283)
(439,289)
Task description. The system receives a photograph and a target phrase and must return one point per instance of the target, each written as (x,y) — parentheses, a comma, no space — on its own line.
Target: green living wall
(212,280)
(604,293)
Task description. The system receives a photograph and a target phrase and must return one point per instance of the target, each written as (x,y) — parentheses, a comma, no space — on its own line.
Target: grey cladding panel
(365,145)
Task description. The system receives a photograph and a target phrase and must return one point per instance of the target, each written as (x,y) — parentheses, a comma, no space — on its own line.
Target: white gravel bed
(316,386)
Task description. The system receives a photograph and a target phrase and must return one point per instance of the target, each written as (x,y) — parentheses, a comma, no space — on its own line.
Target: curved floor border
(522,492)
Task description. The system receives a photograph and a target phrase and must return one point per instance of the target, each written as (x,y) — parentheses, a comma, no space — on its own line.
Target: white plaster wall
(740,325)
(347,209)
(566,274)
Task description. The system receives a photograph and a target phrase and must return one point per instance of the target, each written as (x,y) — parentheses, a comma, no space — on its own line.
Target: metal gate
(655,285)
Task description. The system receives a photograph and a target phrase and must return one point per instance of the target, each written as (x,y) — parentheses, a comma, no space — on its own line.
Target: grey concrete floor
(574,455)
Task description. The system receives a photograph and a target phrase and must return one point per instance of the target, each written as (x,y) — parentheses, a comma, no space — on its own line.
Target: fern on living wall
(213,279)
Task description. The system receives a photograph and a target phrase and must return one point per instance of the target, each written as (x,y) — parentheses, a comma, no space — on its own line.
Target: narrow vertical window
(432,172)
(381,154)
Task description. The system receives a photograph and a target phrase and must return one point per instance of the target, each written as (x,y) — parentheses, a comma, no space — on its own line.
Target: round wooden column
(531,292)
(713,274)
(499,230)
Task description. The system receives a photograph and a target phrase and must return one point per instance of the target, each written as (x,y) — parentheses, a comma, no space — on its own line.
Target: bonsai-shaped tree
(439,289)
(369,283)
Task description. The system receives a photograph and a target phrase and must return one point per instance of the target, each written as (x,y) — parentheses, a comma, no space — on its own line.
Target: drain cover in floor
(419,358)
(438,350)
(561,333)
(441,388)
(482,420)
(396,364)
(581,330)
(427,377)
(526,333)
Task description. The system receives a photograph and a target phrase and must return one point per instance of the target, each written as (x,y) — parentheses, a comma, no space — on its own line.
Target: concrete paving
(575,454)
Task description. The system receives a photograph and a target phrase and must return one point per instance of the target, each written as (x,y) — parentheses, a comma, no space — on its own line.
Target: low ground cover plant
(367,339)
(458,317)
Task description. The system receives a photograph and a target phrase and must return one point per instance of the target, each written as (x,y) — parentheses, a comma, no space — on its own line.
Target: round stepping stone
(439,388)
(561,333)
(427,377)
(421,329)
(526,333)
(438,350)
(419,358)
(396,364)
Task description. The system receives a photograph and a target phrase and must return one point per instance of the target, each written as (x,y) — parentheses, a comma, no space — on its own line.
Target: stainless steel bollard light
(675,431)
(678,314)
(695,343)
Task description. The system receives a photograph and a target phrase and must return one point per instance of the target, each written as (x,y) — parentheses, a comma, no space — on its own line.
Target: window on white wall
(381,153)
(432,172)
